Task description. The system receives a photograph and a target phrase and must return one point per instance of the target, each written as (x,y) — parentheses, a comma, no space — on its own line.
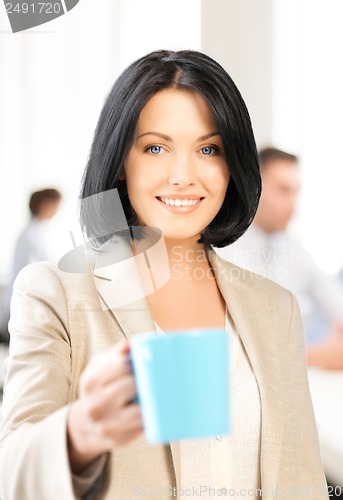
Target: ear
(121,177)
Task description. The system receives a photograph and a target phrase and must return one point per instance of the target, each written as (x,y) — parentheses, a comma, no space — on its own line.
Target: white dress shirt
(228,465)
(34,244)
(283,259)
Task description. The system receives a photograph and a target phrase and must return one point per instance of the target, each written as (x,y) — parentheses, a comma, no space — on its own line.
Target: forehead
(176,108)
(281,171)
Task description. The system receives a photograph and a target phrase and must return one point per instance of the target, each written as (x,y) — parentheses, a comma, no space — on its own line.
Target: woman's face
(176,172)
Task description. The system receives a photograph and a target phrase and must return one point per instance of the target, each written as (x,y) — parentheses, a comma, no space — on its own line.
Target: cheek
(140,173)
(223,174)
(227,178)
(224,180)
(134,179)
(217,180)
(140,191)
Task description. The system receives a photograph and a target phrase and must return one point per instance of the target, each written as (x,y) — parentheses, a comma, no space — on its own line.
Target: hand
(103,417)
(337,330)
(328,353)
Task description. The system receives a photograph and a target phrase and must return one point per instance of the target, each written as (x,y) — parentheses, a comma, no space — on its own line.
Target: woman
(175,139)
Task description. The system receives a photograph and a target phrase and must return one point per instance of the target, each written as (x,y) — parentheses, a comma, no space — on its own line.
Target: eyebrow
(167,138)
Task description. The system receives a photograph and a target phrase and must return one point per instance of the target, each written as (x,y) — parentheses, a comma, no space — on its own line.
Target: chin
(282,227)
(179,236)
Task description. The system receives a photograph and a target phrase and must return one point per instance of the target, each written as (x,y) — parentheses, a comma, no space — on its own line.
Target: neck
(41,217)
(263,228)
(182,249)
(186,257)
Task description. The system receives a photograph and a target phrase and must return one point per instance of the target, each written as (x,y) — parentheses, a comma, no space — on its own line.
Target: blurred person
(268,248)
(34,244)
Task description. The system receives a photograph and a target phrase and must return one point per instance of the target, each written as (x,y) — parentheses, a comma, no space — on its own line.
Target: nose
(181,170)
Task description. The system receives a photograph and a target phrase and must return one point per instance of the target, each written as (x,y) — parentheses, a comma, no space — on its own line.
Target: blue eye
(154,149)
(208,150)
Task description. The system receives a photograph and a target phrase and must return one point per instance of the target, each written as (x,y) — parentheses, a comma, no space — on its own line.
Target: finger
(128,419)
(105,367)
(121,440)
(112,432)
(126,438)
(105,440)
(121,392)
(110,399)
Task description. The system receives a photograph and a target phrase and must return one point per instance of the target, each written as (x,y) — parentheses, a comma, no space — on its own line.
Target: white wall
(307,111)
(238,34)
(147,25)
(54,79)
(285,56)
(53,82)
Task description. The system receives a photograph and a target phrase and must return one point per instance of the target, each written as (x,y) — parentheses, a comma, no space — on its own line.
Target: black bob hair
(115,132)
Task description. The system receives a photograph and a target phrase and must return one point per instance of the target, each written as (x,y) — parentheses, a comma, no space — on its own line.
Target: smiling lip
(179,208)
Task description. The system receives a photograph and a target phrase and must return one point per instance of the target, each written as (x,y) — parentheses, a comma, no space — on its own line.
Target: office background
(284,55)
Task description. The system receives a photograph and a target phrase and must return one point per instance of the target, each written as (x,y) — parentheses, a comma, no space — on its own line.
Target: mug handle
(135,399)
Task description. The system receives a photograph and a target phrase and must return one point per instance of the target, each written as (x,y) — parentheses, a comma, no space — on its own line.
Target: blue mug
(182,381)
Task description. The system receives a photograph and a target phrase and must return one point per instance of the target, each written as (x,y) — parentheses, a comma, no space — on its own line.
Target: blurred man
(34,244)
(268,249)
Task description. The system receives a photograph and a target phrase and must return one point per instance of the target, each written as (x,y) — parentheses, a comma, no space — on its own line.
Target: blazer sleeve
(310,478)
(34,460)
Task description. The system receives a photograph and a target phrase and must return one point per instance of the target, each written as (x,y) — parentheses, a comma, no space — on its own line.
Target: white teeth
(179,203)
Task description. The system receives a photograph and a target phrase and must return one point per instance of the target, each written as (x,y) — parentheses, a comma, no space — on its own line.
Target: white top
(282,258)
(231,462)
(36,243)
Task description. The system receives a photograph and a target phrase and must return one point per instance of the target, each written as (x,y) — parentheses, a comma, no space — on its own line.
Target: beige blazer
(58,322)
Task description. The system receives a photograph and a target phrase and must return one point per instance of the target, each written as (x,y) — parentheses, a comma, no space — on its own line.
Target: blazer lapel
(124,280)
(250,314)
(121,289)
